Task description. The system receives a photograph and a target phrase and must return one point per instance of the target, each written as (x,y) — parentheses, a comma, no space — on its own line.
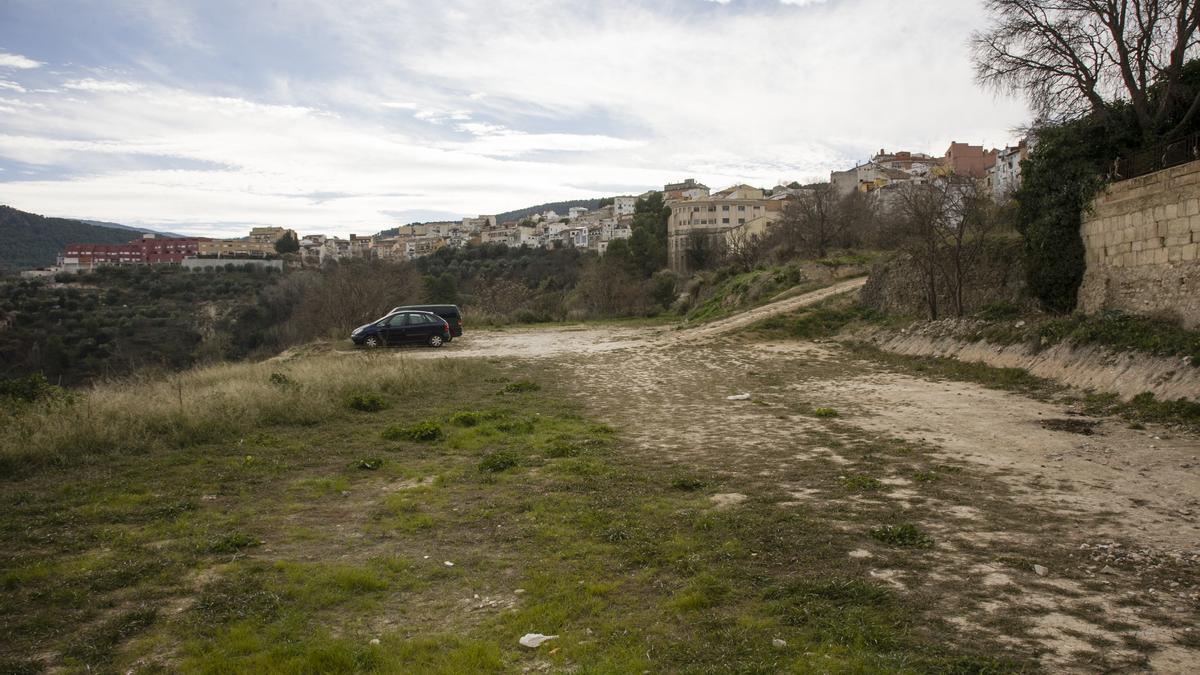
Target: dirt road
(1082,550)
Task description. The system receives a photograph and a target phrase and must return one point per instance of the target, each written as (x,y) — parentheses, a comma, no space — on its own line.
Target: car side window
(393,320)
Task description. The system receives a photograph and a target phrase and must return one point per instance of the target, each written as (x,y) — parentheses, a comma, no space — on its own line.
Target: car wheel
(372,341)
(435,340)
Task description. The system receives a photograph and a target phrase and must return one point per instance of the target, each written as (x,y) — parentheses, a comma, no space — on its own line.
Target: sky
(206,117)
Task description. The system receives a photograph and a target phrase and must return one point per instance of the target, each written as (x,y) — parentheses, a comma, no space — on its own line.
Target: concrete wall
(1142,242)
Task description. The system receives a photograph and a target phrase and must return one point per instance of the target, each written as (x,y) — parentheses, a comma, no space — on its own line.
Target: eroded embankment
(1126,374)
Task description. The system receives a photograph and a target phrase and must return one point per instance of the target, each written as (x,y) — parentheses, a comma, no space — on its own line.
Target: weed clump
(925,476)
(232,543)
(520,387)
(688,484)
(366,402)
(906,535)
(369,463)
(465,419)
(280,380)
(422,432)
(498,461)
(825,413)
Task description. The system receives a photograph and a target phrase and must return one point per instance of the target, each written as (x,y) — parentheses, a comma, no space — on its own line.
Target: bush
(498,461)
(281,380)
(422,432)
(465,419)
(825,413)
(369,402)
(369,464)
(31,389)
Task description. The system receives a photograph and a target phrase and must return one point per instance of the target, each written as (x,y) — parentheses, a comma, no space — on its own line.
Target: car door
(421,327)
(393,329)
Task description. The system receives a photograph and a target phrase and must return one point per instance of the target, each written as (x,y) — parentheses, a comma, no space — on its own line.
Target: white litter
(778,644)
(1040,571)
(738,397)
(448,564)
(535,640)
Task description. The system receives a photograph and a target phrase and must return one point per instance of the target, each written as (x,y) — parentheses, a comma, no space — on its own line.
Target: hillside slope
(32,241)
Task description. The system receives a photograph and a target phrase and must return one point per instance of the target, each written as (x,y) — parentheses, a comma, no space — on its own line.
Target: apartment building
(148,250)
(712,217)
(969,160)
(688,189)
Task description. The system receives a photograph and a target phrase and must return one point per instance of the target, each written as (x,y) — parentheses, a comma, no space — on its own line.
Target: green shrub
(825,413)
(369,463)
(906,535)
(422,432)
(31,389)
(465,419)
(495,462)
(366,402)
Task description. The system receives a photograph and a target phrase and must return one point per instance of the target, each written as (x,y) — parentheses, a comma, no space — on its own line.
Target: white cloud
(17,61)
(468,116)
(106,86)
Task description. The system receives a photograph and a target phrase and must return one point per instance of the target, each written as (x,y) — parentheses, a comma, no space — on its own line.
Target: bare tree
(1072,57)
(944,226)
(812,223)
(743,249)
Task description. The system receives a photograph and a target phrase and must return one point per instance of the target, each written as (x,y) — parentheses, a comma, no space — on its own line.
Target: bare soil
(1082,551)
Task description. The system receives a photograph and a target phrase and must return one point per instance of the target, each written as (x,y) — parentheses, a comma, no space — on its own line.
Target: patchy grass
(521,387)
(721,296)
(824,413)
(1114,330)
(421,432)
(905,535)
(293,558)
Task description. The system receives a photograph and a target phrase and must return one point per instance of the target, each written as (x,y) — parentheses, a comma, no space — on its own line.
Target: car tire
(372,341)
(435,340)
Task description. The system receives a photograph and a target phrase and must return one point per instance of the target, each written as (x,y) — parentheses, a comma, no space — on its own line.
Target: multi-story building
(266,235)
(969,160)
(148,250)
(1004,177)
(236,248)
(623,206)
(688,189)
(710,218)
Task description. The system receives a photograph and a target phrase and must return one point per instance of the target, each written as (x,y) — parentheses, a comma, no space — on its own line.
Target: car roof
(425,308)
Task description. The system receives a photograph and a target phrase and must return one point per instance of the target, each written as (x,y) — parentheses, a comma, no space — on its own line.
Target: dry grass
(208,405)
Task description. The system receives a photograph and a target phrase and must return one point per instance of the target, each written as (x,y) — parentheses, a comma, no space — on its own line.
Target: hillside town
(736,211)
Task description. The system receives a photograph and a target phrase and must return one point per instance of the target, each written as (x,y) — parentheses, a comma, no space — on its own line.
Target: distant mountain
(119,226)
(558,207)
(31,241)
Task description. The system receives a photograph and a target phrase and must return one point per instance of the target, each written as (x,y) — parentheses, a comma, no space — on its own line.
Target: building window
(725,221)
(741,221)
(741,207)
(725,208)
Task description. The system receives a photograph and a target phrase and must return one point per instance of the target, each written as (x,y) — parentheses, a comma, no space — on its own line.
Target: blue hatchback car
(401,328)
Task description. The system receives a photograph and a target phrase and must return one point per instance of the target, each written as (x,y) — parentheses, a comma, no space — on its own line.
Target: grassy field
(369,513)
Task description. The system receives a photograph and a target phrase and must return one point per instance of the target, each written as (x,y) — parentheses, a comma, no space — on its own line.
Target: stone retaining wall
(1142,244)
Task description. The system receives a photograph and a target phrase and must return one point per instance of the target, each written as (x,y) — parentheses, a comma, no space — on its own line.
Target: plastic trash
(738,397)
(535,640)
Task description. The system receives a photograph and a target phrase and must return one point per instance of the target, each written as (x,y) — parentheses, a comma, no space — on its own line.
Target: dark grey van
(450,313)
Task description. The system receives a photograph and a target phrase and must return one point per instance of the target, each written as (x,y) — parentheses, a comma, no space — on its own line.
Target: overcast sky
(333,116)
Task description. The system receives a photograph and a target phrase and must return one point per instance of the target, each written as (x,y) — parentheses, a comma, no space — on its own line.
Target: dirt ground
(1082,550)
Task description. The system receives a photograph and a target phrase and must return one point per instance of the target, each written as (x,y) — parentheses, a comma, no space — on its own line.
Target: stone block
(1179,240)
(1175,254)
(1193,206)
(1160,256)
(1190,252)
(1160,227)
(1172,211)
(1137,245)
(1194,223)
(1178,226)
